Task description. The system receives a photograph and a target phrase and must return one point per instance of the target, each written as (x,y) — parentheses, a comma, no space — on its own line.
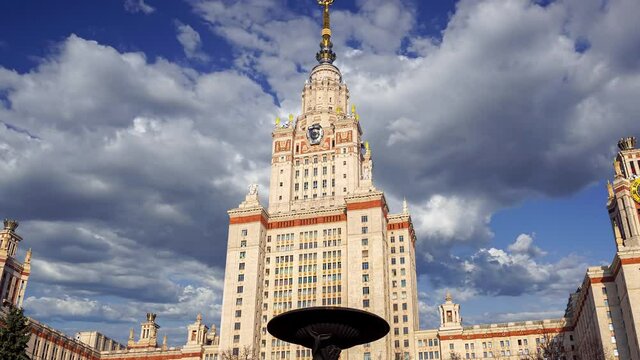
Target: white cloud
(136,6)
(524,245)
(445,219)
(518,271)
(190,41)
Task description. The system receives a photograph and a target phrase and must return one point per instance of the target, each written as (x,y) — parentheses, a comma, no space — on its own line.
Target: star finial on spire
(326,54)
(405,207)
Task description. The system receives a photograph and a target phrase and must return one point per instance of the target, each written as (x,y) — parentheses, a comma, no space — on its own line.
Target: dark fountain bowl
(323,327)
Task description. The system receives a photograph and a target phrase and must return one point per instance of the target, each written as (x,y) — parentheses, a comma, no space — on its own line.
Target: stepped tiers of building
(327,238)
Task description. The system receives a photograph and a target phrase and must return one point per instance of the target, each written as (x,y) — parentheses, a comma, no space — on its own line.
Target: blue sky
(124,124)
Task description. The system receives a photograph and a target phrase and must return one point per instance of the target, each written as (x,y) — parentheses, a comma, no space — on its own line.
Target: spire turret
(326,54)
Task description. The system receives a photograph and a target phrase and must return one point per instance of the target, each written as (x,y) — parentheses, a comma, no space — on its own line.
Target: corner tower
(14,274)
(623,205)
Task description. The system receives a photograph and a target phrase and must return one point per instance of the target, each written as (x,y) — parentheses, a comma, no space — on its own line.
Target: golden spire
(326,54)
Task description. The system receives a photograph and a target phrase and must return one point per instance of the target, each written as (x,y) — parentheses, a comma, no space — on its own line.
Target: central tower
(318,157)
(326,238)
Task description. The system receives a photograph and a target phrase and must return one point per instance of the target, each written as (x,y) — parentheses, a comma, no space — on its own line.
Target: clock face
(314,134)
(635,189)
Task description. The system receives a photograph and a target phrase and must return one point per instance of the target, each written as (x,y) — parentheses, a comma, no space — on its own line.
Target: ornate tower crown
(151,317)
(627,143)
(326,54)
(11,225)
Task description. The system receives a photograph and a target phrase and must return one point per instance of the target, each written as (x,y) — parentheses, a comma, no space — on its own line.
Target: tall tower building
(327,237)
(13,273)
(621,284)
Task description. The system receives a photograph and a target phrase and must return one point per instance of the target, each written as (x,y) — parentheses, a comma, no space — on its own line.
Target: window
(236,339)
(305,186)
(367,356)
(365,290)
(240,289)
(297,173)
(315,171)
(236,326)
(364,218)
(240,277)
(402,260)
(296,187)
(324,170)
(243,254)
(324,183)
(306,172)
(365,303)
(241,266)
(365,266)
(365,229)
(393,239)
(281,183)
(243,243)
(365,242)
(239,301)
(238,313)
(401,238)
(401,249)
(244,232)
(365,277)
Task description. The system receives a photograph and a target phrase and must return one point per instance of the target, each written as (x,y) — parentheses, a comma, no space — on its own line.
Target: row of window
(314,159)
(405,331)
(314,184)
(315,171)
(428,355)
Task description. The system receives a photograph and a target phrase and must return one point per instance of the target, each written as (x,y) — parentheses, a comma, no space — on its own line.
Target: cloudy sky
(124,127)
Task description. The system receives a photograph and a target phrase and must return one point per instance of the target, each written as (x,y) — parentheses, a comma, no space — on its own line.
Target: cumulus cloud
(136,6)
(524,245)
(190,41)
(513,272)
(121,171)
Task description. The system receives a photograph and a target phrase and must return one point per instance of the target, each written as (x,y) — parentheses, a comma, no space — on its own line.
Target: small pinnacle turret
(326,54)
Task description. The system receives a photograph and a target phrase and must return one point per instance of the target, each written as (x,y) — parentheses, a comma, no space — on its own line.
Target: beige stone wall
(242,296)
(628,285)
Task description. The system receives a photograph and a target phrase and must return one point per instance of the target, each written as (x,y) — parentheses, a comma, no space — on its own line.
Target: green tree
(14,335)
